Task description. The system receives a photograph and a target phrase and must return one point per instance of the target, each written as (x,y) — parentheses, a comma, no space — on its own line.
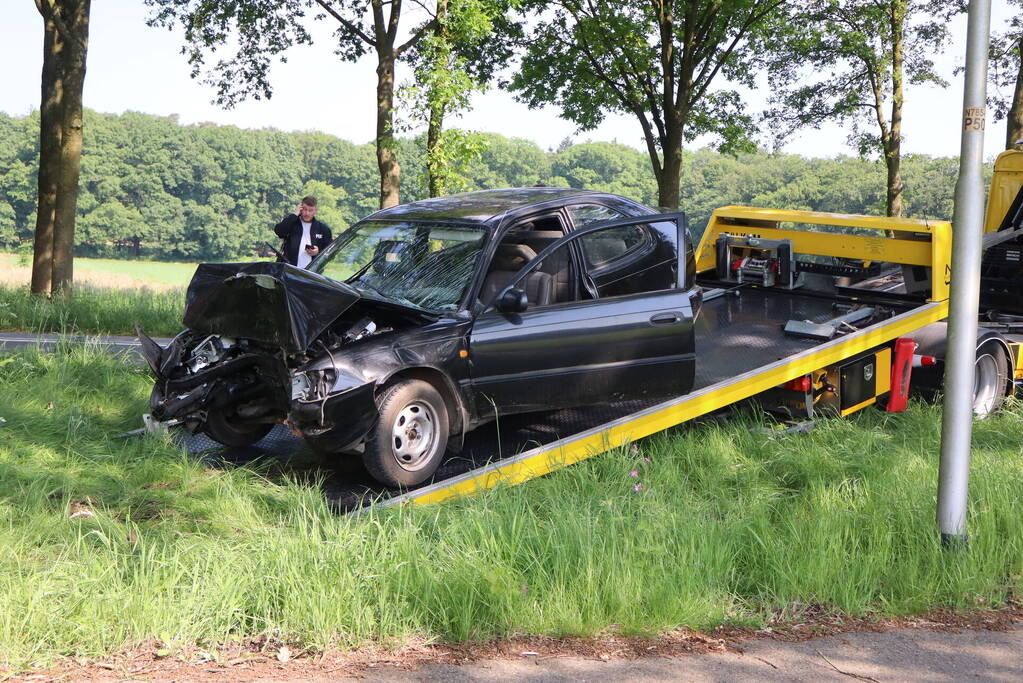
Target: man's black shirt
(290,228)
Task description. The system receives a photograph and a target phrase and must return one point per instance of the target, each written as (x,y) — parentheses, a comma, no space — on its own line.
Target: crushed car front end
(269,343)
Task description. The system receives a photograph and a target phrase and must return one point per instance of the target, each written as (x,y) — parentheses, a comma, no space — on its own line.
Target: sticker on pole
(973,119)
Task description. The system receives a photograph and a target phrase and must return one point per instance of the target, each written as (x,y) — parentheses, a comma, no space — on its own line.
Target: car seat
(558,264)
(508,260)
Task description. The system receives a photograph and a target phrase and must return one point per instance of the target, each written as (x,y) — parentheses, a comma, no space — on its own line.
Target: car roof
(477,207)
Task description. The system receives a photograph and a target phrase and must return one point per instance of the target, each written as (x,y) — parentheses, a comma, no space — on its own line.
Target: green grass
(730,526)
(171,273)
(156,272)
(110,298)
(93,311)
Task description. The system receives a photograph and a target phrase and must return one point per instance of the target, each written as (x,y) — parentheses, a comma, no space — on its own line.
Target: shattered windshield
(427,265)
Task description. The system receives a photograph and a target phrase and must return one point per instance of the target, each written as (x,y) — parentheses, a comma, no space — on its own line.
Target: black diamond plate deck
(734,335)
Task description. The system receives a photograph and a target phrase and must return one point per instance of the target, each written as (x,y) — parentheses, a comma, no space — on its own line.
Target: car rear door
(630,336)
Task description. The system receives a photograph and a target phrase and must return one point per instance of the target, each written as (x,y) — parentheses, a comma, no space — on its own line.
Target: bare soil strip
(269,660)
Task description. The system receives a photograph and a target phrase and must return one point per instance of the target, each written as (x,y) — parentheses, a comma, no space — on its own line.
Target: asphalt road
(897,655)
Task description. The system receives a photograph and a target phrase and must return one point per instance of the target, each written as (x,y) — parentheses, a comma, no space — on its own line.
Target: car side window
(607,246)
(619,260)
(631,259)
(584,214)
(553,281)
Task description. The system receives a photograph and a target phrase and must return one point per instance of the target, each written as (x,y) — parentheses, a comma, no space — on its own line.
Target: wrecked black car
(425,320)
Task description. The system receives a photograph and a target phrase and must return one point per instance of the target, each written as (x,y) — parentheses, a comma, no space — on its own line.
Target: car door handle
(665,318)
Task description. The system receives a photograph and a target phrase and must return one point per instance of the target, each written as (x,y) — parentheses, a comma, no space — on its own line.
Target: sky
(134,67)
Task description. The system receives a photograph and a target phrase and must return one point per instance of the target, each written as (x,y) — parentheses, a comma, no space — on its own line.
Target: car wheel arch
(457,416)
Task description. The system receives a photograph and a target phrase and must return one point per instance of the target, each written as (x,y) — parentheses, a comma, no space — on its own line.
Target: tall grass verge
(728,525)
(93,311)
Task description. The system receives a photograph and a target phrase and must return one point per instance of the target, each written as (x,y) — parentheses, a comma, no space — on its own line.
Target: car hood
(273,303)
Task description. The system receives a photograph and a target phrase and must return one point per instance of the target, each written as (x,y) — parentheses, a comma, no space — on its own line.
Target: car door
(629,336)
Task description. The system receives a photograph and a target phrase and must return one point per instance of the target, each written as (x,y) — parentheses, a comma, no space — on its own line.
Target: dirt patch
(269,660)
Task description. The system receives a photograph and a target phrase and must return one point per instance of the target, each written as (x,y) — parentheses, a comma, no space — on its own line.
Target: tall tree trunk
(387,160)
(671,166)
(435,128)
(437,177)
(49,158)
(668,180)
(1014,121)
(75,53)
(893,148)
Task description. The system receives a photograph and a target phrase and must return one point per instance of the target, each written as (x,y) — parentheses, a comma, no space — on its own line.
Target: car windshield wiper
(359,273)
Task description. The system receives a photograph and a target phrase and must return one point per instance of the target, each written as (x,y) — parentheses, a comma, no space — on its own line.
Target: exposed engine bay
(235,388)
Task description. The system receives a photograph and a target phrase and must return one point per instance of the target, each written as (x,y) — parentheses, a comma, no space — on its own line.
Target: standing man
(304,236)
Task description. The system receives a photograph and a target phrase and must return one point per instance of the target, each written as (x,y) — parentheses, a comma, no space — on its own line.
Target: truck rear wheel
(992,382)
(410,438)
(990,379)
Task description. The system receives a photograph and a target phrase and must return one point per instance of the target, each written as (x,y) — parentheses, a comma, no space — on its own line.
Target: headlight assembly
(312,385)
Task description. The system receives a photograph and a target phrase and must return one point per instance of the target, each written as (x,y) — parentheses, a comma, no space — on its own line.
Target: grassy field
(106,543)
(110,273)
(93,311)
(110,298)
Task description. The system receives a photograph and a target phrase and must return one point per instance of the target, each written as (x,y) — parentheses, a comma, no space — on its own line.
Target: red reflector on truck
(902,367)
(803,384)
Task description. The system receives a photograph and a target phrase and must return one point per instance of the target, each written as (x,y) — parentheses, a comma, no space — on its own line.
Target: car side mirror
(512,300)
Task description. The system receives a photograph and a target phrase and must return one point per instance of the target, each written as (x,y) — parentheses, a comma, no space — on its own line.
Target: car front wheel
(409,440)
(229,430)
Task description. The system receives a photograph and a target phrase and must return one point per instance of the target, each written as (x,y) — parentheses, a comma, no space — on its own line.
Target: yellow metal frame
(1005,184)
(884,372)
(546,459)
(929,243)
(1016,352)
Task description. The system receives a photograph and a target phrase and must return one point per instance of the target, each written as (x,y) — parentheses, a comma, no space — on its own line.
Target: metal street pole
(968,226)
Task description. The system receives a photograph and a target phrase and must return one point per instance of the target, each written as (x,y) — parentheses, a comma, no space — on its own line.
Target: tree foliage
(848,61)
(450,64)
(672,65)
(263,30)
(152,188)
(1006,76)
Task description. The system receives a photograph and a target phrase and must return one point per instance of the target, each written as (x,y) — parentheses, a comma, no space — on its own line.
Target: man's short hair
(309,200)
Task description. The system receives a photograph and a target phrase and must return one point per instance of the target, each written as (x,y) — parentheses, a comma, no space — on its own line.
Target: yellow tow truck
(802,312)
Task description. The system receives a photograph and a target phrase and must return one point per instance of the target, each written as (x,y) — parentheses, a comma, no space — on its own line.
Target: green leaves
(258,30)
(836,63)
(670,65)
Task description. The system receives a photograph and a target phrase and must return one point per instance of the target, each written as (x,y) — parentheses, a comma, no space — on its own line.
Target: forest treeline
(153,188)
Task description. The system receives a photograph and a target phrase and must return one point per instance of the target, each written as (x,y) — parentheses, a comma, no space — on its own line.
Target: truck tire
(990,379)
(410,438)
(230,431)
(993,373)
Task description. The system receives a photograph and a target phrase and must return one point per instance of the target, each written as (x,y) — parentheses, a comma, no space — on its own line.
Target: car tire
(411,435)
(229,431)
